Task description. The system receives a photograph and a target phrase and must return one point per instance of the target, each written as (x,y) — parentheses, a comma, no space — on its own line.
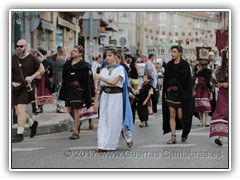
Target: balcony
(76,13)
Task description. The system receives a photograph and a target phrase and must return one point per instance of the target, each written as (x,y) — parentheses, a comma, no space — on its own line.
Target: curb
(47,128)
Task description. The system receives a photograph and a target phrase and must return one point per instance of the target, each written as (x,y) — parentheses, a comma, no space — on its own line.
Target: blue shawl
(127,112)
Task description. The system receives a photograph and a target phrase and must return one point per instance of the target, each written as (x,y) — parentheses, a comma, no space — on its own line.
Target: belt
(172,88)
(74,84)
(112,90)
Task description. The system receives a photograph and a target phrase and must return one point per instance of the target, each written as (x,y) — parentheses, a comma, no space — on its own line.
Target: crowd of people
(109,90)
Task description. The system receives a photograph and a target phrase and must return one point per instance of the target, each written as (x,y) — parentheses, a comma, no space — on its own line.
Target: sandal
(218,142)
(79,128)
(101,150)
(172,140)
(74,136)
(130,144)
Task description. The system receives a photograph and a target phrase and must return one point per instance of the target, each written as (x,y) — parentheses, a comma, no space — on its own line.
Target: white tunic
(111,112)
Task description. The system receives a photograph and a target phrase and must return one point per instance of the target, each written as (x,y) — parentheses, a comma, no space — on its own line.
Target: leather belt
(74,84)
(112,90)
(172,88)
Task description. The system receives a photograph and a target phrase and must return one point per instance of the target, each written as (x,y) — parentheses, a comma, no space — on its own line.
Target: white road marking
(199,129)
(26,149)
(167,145)
(83,147)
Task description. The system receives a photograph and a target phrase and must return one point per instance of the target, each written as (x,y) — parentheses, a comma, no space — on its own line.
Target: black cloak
(83,75)
(183,77)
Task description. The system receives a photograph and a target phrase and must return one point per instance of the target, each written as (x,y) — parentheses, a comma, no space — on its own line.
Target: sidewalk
(50,122)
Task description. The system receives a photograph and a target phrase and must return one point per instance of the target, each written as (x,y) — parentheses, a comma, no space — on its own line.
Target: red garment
(221,39)
(219,123)
(43,94)
(54,57)
(202,102)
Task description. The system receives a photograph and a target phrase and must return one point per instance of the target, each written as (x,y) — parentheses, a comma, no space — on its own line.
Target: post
(90,36)
(123,53)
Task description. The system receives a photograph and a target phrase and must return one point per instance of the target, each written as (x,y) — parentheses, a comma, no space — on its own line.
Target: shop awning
(65,23)
(47,25)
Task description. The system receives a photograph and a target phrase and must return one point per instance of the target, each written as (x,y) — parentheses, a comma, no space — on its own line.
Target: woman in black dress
(76,87)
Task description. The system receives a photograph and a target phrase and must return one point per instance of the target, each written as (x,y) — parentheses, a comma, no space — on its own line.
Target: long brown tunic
(29,66)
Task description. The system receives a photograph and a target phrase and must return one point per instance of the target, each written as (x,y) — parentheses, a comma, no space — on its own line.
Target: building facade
(52,29)
(158,31)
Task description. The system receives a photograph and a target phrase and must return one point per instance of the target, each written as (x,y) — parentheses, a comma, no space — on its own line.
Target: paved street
(149,151)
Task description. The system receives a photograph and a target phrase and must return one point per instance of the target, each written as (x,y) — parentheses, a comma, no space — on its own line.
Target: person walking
(76,87)
(202,91)
(143,97)
(25,69)
(219,122)
(134,73)
(151,71)
(212,66)
(44,88)
(115,114)
(58,74)
(177,96)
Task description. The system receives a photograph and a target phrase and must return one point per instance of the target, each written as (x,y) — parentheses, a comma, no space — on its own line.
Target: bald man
(25,68)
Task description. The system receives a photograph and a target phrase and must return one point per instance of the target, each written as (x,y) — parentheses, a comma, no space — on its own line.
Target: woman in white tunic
(111,110)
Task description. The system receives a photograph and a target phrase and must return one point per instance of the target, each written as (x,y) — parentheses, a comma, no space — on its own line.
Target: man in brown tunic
(25,68)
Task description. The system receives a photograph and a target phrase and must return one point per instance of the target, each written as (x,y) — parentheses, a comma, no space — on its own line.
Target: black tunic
(141,109)
(184,86)
(76,96)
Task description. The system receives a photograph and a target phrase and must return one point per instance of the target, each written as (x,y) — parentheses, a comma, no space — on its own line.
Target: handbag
(49,84)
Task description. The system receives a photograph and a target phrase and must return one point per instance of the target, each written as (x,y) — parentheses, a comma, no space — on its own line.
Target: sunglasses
(21,46)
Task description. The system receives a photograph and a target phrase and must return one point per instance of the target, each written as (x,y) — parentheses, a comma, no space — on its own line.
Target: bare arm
(107,81)
(137,68)
(38,73)
(97,94)
(146,100)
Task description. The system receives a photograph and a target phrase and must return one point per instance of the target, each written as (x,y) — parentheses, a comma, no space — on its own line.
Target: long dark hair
(134,60)
(224,65)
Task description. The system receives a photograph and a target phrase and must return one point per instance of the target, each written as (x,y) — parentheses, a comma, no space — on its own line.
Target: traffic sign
(123,41)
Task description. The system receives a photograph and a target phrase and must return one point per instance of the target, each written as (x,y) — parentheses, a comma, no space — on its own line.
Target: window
(59,37)
(162,39)
(150,17)
(43,39)
(163,16)
(175,40)
(162,27)
(150,50)
(175,29)
(175,19)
